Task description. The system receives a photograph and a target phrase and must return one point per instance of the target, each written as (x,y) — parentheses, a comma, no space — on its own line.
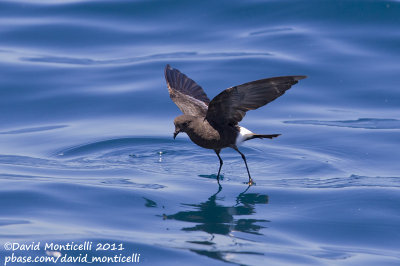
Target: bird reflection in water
(216,219)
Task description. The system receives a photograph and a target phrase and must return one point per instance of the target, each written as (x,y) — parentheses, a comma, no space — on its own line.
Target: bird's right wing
(231,105)
(186,94)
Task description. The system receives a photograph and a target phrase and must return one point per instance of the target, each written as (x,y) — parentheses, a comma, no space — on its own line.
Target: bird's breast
(206,136)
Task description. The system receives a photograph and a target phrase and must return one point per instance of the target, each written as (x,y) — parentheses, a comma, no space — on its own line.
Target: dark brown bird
(214,124)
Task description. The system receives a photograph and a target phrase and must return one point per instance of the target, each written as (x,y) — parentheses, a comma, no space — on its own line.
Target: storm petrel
(214,124)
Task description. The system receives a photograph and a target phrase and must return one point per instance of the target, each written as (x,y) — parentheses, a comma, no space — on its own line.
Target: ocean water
(86,148)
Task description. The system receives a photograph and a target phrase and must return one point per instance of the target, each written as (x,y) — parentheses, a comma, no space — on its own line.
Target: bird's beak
(176,133)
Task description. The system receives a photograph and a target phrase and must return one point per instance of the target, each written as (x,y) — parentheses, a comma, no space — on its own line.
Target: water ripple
(271,31)
(33,129)
(341,182)
(142,59)
(6,222)
(367,123)
(164,157)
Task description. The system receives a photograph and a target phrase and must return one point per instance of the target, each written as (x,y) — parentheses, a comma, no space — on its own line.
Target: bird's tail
(261,136)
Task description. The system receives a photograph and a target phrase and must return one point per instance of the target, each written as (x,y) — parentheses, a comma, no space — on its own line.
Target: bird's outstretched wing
(231,105)
(185,93)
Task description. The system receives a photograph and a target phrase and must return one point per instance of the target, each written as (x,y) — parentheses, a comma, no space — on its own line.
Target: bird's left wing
(186,94)
(231,105)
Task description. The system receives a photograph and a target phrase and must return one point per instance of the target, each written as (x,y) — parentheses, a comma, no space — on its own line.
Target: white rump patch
(243,135)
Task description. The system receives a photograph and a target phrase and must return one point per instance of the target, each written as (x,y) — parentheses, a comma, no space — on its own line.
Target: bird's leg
(245,162)
(220,163)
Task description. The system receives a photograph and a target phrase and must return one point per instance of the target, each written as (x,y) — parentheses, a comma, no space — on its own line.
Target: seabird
(214,124)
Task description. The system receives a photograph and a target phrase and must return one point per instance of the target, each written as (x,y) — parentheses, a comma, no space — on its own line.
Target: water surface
(86,131)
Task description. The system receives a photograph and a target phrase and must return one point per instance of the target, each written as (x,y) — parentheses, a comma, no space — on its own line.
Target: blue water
(86,148)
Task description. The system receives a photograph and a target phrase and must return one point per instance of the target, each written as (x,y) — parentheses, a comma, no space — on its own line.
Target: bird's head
(182,123)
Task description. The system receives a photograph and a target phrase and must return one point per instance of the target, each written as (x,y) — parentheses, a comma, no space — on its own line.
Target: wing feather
(186,94)
(231,105)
